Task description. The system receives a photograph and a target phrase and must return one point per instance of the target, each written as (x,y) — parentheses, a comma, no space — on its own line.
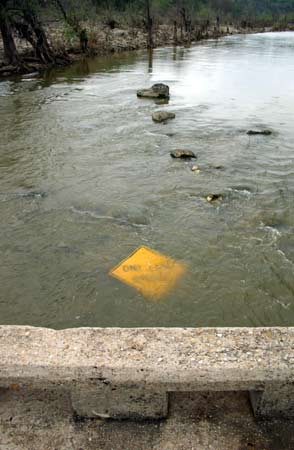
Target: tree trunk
(25,32)
(71,21)
(10,51)
(63,12)
(149,26)
(175,32)
(185,19)
(41,45)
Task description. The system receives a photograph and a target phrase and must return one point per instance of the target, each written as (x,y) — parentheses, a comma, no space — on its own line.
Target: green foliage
(267,11)
(205,12)
(133,12)
(69,34)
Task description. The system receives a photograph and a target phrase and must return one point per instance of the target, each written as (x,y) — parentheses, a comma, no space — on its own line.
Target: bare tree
(6,29)
(149,26)
(41,46)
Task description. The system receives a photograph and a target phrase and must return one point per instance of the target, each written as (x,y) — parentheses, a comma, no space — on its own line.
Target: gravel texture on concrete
(129,373)
(176,358)
(39,367)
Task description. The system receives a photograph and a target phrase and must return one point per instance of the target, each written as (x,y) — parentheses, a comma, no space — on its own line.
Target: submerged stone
(217,167)
(262,132)
(158,90)
(30,194)
(213,197)
(162,116)
(34,194)
(161,101)
(184,154)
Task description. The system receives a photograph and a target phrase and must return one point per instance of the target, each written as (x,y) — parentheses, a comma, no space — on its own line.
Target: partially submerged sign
(151,273)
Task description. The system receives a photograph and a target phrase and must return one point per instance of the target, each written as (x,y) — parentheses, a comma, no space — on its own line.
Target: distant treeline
(267,11)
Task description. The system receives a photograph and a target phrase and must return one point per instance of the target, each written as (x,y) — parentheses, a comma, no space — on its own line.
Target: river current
(86,177)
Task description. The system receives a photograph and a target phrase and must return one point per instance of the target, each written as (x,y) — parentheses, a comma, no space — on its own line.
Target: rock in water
(162,116)
(185,154)
(212,197)
(161,101)
(262,132)
(161,89)
(30,194)
(217,167)
(158,90)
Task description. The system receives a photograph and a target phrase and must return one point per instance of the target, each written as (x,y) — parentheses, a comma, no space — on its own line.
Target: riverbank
(104,40)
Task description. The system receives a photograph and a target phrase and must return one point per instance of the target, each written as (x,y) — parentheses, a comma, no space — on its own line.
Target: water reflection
(150,60)
(83,67)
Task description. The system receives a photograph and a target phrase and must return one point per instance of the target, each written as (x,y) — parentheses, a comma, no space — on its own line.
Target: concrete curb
(128,373)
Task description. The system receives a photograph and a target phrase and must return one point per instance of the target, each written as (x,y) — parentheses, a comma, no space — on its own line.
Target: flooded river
(87,177)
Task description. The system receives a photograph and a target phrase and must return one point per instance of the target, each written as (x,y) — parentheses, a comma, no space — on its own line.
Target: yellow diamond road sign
(151,273)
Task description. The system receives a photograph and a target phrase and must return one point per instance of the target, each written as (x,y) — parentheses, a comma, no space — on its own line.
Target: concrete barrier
(128,373)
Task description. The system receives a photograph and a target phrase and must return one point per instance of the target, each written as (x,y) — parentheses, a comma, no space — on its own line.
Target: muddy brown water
(86,178)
